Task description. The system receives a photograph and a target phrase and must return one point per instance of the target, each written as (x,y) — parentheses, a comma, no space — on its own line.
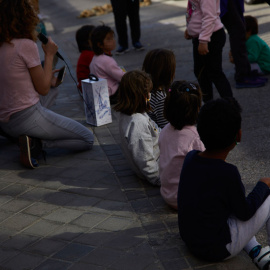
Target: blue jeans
(55,130)
(208,68)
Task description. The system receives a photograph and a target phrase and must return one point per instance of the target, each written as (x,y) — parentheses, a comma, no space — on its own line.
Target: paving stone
(134,262)
(95,237)
(14,190)
(20,241)
(102,257)
(114,224)
(18,221)
(15,205)
(90,220)
(73,252)
(24,261)
(68,232)
(64,215)
(53,265)
(40,209)
(86,266)
(46,247)
(6,254)
(43,228)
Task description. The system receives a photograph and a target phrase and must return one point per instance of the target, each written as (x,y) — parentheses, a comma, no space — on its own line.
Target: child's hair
(218,123)
(18,19)
(160,64)
(251,25)
(98,36)
(182,104)
(83,36)
(134,90)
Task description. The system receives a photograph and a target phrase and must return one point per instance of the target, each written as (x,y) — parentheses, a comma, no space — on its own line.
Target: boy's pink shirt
(17,89)
(105,67)
(174,146)
(203,18)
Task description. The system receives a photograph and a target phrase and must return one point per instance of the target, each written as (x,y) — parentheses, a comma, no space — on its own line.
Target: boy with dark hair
(216,219)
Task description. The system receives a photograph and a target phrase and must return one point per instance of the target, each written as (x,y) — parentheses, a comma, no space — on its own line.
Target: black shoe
(138,46)
(121,50)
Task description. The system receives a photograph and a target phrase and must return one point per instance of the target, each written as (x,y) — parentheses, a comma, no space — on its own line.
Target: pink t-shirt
(174,145)
(16,86)
(104,66)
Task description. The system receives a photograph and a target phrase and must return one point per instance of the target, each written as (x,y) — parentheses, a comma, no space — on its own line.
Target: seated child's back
(180,136)
(138,133)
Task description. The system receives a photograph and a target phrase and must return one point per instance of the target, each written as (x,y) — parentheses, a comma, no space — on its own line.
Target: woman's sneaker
(262,261)
(30,149)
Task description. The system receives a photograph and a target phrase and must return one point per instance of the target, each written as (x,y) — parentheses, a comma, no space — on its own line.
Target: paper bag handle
(92,77)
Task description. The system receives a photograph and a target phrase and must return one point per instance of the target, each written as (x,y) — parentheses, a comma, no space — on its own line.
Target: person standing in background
(122,9)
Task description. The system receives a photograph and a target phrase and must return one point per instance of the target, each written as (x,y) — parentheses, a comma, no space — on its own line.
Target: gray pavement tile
(64,215)
(59,198)
(23,261)
(134,262)
(123,173)
(90,220)
(36,194)
(15,205)
(40,209)
(142,206)
(6,254)
(95,237)
(115,224)
(6,234)
(135,195)
(19,221)
(125,241)
(102,257)
(42,228)
(20,241)
(86,266)
(68,232)
(176,264)
(73,252)
(46,247)
(5,215)
(13,189)
(53,265)
(83,203)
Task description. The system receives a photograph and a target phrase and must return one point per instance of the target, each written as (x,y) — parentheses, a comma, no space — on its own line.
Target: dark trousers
(234,23)
(122,9)
(208,68)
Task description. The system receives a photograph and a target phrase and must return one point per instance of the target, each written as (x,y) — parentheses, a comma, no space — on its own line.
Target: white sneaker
(262,261)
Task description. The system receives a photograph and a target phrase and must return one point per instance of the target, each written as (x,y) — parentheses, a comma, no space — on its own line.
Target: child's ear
(239,135)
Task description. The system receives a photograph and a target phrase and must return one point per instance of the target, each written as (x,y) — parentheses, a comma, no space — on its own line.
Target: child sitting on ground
(257,49)
(83,38)
(103,65)
(160,64)
(216,219)
(138,133)
(180,136)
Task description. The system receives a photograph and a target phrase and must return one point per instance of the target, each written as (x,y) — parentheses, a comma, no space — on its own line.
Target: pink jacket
(203,18)
(104,66)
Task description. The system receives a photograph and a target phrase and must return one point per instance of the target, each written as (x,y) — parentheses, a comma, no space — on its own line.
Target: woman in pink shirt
(23,81)
(179,136)
(208,37)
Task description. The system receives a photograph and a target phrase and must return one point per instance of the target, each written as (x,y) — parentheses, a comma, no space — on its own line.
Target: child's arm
(142,151)
(114,71)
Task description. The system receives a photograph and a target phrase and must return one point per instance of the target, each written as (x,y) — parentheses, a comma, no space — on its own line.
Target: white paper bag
(97,103)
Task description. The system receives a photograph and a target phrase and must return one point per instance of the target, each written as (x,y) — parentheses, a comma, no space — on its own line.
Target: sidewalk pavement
(88,210)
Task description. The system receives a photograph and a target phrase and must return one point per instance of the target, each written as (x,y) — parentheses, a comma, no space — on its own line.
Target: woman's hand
(203,48)
(50,48)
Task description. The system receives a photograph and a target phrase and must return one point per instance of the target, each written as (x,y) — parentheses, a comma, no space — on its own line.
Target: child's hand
(203,48)
(266,180)
(187,36)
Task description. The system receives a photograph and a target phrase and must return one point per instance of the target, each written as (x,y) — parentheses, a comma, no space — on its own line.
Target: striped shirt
(157,105)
